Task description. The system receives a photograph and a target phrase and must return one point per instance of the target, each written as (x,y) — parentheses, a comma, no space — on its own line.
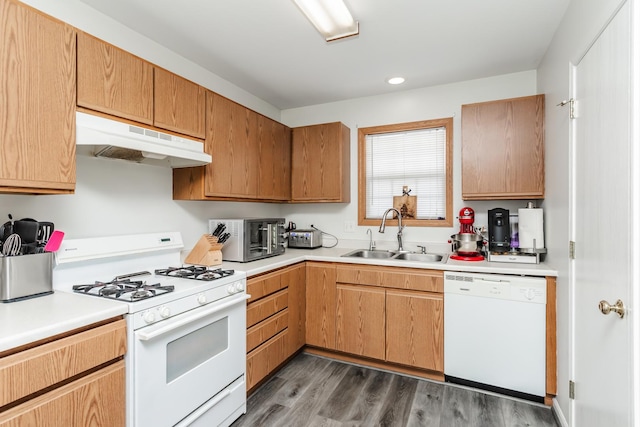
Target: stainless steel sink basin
(366,253)
(400,256)
(408,256)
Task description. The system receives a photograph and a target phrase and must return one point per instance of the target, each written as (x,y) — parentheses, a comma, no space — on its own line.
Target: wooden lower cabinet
(415,329)
(360,320)
(76,379)
(321,305)
(275,320)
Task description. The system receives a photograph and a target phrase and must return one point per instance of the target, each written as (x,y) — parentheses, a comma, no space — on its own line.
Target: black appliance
(499,230)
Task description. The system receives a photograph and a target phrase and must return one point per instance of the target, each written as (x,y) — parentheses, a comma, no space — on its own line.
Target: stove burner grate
(125,290)
(195,272)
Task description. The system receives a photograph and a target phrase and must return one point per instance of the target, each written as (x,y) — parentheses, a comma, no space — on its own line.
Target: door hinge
(572,107)
(572,390)
(572,249)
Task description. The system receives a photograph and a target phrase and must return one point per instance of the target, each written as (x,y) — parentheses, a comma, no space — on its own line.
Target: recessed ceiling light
(395,80)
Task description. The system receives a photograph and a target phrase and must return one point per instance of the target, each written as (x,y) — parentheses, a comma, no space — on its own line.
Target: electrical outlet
(350,226)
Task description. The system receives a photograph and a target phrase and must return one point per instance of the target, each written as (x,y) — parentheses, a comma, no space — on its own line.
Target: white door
(602,224)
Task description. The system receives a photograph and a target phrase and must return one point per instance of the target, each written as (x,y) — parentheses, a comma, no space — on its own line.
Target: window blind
(415,158)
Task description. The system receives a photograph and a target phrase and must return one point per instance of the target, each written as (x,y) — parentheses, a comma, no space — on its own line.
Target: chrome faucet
(400,226)
(372,244)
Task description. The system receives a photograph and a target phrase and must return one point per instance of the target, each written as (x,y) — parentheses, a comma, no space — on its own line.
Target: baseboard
(557,412)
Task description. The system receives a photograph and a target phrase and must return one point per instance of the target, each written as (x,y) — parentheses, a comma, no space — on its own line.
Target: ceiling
(268,48)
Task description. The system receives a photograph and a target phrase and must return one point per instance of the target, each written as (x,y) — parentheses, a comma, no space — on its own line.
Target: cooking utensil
(12,245)
(45,229)
(27,229)
(219,230)
(54,241)
(224,237)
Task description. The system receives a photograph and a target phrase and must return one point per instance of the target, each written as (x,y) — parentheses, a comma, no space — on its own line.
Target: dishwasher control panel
(514,288)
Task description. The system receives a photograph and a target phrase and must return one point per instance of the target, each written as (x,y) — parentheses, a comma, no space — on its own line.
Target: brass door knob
(606,308)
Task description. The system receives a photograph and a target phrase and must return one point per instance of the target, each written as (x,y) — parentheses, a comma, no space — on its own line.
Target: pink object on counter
(54,242)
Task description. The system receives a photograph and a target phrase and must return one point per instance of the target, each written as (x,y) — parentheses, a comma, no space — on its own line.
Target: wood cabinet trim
(264,330)
(32,370)
(265,359)
(268,306)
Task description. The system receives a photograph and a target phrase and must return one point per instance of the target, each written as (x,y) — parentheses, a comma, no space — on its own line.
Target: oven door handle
(147,336)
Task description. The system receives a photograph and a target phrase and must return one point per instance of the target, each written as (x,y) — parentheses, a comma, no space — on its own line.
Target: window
(416,157)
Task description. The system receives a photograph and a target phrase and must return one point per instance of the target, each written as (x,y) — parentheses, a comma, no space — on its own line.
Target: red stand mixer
(467,243)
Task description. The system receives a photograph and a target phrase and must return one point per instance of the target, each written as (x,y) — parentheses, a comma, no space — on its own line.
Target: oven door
(184,361)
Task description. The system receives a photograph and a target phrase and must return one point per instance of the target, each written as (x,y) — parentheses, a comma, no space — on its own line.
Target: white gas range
(185,360)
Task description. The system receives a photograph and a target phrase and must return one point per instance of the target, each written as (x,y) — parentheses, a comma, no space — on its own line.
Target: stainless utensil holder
(26,276)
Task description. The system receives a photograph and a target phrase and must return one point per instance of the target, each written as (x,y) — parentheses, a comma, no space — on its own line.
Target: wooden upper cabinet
(179,105)
(251,157)
(232,141)
(503,149)
(37,102)
(113,81)
(320,163)
(274,147)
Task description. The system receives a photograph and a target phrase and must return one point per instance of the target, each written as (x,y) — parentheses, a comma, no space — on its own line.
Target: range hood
(102,137)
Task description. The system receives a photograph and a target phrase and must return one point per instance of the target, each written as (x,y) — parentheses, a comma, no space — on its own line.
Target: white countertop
(292,256)
(33,319)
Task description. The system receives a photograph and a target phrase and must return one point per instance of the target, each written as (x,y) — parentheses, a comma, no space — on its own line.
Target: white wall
(582,22)
(404,106)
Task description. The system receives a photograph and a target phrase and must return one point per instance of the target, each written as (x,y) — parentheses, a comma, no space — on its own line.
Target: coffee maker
(499,231)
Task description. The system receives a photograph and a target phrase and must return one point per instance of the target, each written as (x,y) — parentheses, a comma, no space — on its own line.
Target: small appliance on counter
(527,243)
(499,230)
(250,239)
(467,244)
(305,239)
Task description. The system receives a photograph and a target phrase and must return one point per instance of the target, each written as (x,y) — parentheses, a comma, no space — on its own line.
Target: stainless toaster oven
(251,238)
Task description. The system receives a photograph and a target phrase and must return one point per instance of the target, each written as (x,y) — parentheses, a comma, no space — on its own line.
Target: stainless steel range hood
(101,137)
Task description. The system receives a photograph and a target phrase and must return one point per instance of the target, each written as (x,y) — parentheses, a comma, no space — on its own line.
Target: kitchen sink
(366,253)
(391,255)
(410,256)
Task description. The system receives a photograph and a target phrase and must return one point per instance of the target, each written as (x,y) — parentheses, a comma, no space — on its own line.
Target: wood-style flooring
(315,391)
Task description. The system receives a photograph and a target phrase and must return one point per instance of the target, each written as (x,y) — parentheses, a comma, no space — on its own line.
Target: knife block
(206,252)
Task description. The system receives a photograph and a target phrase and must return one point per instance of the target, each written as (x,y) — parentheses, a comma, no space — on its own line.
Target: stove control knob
(231,289)
(165,312)
(149,317)
(202,299)
(239,287)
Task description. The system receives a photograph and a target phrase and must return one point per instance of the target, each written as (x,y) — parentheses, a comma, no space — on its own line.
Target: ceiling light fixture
(331,18)
(395,80)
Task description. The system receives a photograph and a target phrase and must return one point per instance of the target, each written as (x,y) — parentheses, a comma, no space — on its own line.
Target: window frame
(447,123)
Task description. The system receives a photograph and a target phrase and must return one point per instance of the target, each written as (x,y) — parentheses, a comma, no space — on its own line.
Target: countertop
(33,319)
(292,256)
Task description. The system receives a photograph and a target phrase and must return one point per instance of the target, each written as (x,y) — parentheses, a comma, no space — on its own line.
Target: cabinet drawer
(97,400)
(266,329)
(32,370)
(264,359)
(398,278)
(260,310)
(264,286)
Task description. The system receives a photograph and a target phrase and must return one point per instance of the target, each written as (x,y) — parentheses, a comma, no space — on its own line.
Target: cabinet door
(295,280)
(97,399)
(321,305)
(179,105)
(113,81)
(274,141)
(320,163)
(360,320)
(503,149)
(232,139)
(415,329)
(37,102)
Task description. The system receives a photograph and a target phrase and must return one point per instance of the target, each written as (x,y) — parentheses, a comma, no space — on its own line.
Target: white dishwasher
(495,333)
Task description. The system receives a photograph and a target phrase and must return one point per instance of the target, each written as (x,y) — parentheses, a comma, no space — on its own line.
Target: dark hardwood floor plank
(521,414)
(467,408)
(368,404)
(301,363)
(398,401)
(319,421)
(427,405)
(344,396)
(258,401)
(298,380)
(316,396)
